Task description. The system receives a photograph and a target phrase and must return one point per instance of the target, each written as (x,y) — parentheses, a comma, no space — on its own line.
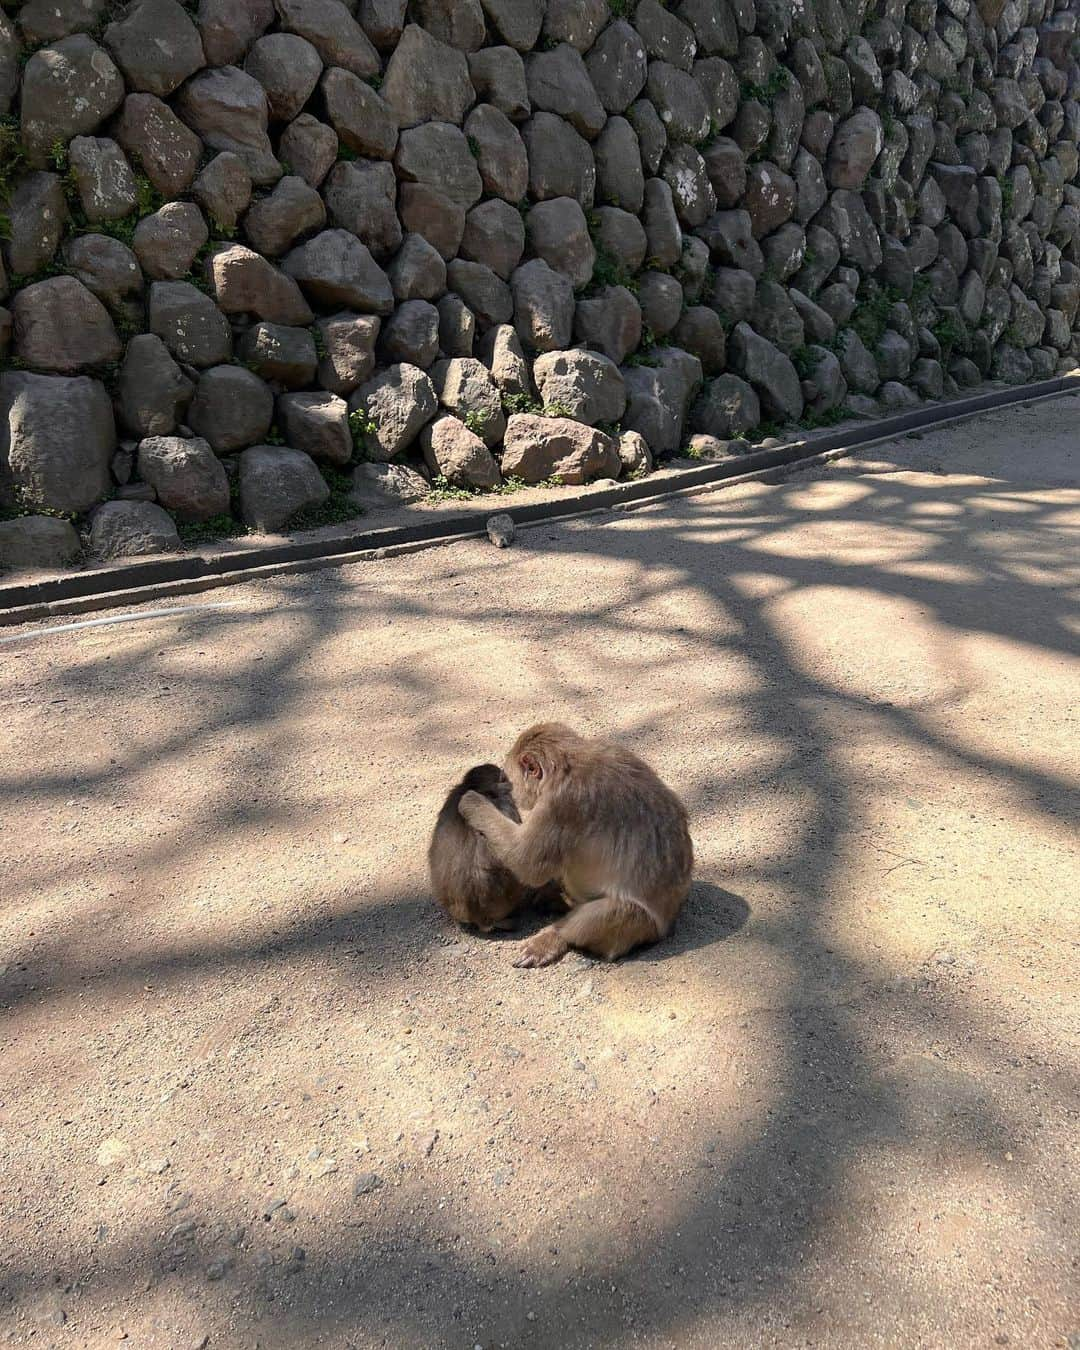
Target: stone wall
(252,248)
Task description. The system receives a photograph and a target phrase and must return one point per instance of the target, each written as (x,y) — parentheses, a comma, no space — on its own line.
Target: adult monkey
(600,822)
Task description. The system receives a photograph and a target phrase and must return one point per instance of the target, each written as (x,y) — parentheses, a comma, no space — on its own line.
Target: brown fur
(465,877)
(598,820)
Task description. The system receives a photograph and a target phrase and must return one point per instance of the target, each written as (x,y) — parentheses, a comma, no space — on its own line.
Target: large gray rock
(559,234)
(649,129)
(152,391)
(227,108)
(858,366)
(335,268)
(276,221)
(727,408)
(103,178)
(459,455)
(658,398)
(634,455)
(288,68)
(438,155)
(700,331)
(57,437)
(243,282)
(411,334)
(726,168)
(730,237)
(666,38)
(516,21)
(457,326)
(109,270)
(157,142)
(426,80)
(232,408)
(661,222)
(348,350)
(559,83)
(501,351)
(38,541)
(156,46)
(775,317)
(583,385)
(378,486)
(318,424)
(769,198)
(167,240)
(610,321)
(498,76)
(309,147)
(382,21)
(575,21)
(229,27)
(36,216)
(131,530)
(619,177)
(467,389)
(769,371)
(60,326)
(661,299)
(825,387)
(539,448)
(361,197)
(680,101)
(617,66)
(426,212)
(620,238)
(459,23)
(543,306)
(331,29)
(499,151)
(418,272)
(486,294)
(846,218)
(363,121)
(186,475)
(277,483)
(855,146)
(223,190)
(42,21)
(721,88)
(561,162)
(189,323)
(692,193)
(495,235)
(733,294)
(396,405)
(282,355)
(68,89)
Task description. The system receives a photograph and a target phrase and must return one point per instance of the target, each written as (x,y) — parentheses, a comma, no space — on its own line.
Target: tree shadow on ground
(739,1247)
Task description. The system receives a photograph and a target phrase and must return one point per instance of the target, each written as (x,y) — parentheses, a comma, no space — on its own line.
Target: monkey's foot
(547,947)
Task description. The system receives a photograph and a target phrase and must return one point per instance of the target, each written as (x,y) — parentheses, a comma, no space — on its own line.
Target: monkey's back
(465,877)
(635,825)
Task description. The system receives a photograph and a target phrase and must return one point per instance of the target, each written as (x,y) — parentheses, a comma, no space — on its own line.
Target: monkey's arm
(528,850)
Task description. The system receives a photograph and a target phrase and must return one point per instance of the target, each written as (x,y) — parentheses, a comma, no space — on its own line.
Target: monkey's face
(491,914)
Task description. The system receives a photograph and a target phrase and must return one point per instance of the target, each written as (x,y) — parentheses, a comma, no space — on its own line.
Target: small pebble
(366,1182)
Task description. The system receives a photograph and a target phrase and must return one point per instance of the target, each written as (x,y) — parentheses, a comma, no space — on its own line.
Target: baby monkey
(466,879)
(600,822)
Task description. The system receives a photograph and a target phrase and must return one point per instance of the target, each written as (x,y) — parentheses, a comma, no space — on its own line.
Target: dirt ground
(257,1091)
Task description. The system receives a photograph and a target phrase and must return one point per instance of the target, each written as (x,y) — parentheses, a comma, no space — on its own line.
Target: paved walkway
(255,1089)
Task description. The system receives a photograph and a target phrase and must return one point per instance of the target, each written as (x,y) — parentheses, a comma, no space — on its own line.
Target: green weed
(337,508)
(206,531)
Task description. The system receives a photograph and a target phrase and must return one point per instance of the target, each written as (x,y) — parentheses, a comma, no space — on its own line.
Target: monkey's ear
(531,766)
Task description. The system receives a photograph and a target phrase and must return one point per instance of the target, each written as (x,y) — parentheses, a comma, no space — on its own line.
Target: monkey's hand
(544,949)
(474,808)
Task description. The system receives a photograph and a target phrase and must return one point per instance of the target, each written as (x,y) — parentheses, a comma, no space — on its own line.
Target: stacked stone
(270,240)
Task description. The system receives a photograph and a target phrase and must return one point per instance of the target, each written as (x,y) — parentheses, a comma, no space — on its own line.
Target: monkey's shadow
(710,915)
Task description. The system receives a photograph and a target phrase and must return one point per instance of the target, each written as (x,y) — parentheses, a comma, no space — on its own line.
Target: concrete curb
(185,574)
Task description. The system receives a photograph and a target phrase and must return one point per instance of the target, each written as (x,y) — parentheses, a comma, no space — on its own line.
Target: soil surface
(258,1091)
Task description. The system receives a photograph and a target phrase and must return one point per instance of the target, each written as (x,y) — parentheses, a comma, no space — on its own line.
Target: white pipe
(120,618)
